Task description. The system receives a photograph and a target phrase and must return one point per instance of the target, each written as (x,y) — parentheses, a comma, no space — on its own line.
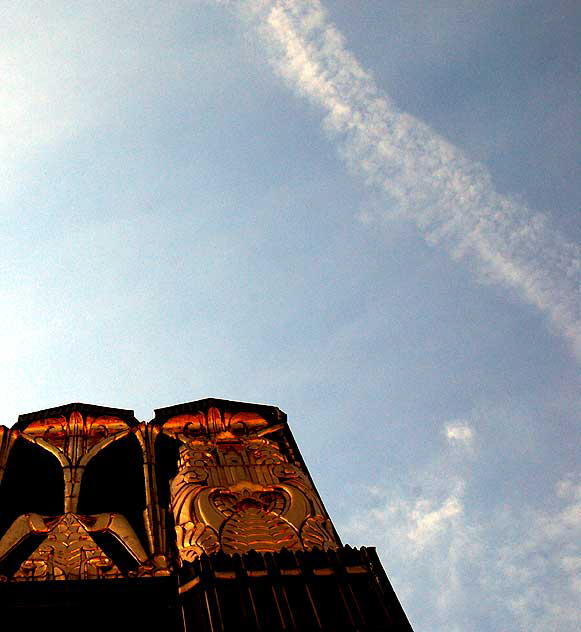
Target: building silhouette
(205,519)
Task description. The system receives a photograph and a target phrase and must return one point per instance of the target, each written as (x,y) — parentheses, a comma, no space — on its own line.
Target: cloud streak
(451,199)
(459,433)
(524,562)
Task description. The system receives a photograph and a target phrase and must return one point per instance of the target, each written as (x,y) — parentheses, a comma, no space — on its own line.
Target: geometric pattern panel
(68,552)
(236,490)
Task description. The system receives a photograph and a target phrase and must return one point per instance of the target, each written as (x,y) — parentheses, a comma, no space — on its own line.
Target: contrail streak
(451,199)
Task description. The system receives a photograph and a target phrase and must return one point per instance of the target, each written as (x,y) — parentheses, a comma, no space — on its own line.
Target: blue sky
(364,214)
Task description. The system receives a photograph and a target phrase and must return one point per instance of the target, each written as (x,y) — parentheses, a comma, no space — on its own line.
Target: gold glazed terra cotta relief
(235,489)
(68,550)
(74,441)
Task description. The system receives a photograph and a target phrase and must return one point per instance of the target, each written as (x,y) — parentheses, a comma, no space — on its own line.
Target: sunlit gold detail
(254,524)
(189,585)
(224,574)
(215,424)
(356,570)
(7,439)
(75,441)
(236,491)
(257,573)
(69,551)
(239,487)
(154,515)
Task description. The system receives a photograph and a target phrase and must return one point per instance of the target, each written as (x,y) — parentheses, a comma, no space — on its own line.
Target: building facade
(204,519)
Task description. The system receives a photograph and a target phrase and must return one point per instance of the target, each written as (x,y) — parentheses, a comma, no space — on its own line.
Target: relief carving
(75,441)
(68,550)
(239,487)
(236,491)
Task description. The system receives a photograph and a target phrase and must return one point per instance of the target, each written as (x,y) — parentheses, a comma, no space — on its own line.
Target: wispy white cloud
(459,432)
(427,519)
(451,199)
(523,562)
